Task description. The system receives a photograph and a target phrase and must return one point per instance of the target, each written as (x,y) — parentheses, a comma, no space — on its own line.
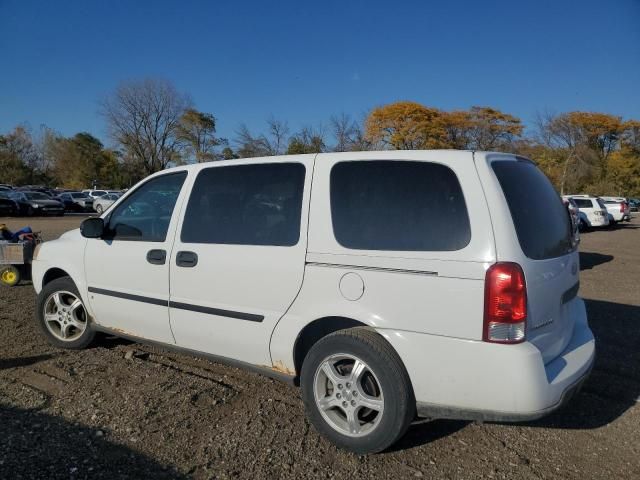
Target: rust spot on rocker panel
(119,331)
(280,367)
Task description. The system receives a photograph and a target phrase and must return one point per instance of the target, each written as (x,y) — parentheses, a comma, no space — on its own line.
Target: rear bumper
(472,380)
(426,410)
(599,222)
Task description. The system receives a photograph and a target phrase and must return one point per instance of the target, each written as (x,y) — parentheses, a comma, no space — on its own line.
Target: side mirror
(92,227)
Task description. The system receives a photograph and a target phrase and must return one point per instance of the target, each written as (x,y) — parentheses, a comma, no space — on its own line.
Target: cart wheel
(9,275)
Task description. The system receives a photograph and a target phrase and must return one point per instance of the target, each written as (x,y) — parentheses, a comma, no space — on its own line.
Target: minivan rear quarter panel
(435,292)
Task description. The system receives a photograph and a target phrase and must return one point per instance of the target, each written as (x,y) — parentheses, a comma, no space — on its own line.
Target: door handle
(186,259)
(157,257)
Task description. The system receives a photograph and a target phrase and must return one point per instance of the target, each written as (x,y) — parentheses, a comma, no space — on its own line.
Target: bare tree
(346,132)
(308,140)
(279,132)
(561,133)
(143,117)
(19,145)
(274,143)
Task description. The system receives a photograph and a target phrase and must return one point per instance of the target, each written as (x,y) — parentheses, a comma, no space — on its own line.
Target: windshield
(36,196)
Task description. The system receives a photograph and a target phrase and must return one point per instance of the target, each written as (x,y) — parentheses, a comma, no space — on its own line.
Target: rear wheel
(62,317)
(99,209)
(356,391)
(582,226)
(9,275)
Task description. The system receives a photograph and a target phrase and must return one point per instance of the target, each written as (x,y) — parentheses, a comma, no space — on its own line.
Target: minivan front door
(238,259)
(127,270)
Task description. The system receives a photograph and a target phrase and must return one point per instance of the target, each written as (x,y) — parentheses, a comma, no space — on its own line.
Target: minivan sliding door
(239,256)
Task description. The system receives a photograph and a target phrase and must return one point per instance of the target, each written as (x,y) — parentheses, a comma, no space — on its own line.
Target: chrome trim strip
(373,269)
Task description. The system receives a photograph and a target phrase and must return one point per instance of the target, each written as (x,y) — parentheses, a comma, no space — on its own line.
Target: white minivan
(387,285)
(593,212)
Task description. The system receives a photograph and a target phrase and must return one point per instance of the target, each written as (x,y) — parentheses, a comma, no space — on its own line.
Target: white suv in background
(94,193)
(618,208)
(593,212)
(388,285)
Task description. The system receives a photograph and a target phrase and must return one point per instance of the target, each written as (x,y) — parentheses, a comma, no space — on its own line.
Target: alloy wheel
(348,395)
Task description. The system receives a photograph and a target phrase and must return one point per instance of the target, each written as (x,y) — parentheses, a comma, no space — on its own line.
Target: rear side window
(246,205)
(398,206)
(583,202)
(541,220)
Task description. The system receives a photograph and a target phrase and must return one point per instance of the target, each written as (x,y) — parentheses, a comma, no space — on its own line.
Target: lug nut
(338,395)
(353,403)
(355,394)
(344,404)
(339,386)
(348,385)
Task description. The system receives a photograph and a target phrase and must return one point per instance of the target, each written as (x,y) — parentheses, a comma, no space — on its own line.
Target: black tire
(9,275)
(399,401)
(99,209)
(582,226)
(63,284)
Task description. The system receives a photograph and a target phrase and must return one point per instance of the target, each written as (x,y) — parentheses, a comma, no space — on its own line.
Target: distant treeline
(153,126)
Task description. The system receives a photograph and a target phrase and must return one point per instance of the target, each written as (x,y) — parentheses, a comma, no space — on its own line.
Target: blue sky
(304,61)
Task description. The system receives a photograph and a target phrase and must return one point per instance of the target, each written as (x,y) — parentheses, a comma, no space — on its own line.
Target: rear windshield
(541,220)
(583,202)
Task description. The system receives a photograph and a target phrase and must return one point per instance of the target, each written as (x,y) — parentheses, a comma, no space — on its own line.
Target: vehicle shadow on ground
(614,384)
(23,361)
(588,260)
(37,445)
(104,340)
(427,432)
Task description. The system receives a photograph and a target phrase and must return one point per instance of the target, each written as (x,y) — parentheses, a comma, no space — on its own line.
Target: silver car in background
(100,204)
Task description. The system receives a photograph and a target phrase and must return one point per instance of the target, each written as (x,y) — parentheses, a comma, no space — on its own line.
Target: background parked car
(7,206)
(592,211)
(100,204)
(95,193)
(574,213)
(634,204)
(76,201)
(5,187)
(617,208)
(36,203)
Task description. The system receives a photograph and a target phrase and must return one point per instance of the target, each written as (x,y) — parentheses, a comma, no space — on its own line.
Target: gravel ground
(107,413)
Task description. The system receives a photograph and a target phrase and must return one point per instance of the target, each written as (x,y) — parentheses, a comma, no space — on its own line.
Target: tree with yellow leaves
(406,126)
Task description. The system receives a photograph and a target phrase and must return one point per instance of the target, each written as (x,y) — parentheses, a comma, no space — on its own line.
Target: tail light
(505,304)
(622,207)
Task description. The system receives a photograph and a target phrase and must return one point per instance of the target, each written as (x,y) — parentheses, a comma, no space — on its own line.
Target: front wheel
(62,316)
(99,209)
(356,391)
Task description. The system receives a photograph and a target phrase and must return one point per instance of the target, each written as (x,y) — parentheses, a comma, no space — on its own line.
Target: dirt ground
(97,414)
